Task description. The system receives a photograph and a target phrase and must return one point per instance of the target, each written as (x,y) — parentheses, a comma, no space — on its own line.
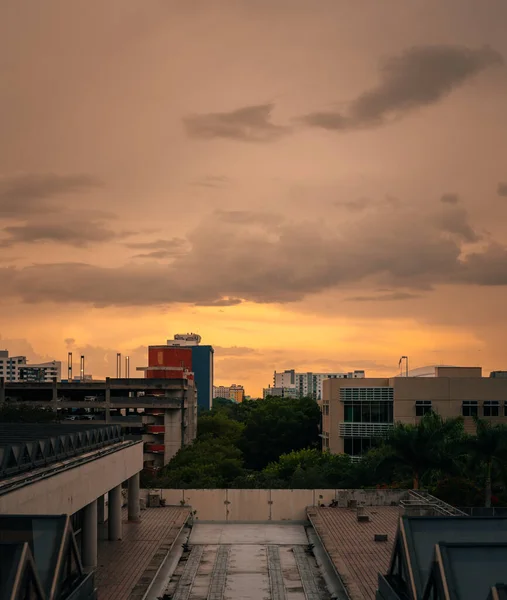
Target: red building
(165,362)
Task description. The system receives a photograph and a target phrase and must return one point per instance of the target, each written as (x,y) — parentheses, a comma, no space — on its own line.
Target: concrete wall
(69,491)
(267,505)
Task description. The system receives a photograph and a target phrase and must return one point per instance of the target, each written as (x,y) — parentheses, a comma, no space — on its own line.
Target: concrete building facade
(71,473)
(17,368)
(356,412)
(309,384)
(161,412)
(184,352)
(234,392)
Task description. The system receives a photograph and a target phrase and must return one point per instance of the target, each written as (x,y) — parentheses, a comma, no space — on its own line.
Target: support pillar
(89,536)
(114,516)
(133,498)
(101,510)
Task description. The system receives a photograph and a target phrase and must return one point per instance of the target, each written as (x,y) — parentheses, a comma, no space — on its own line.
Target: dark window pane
(365,412)
(356,413)
(347,445)
(348,412)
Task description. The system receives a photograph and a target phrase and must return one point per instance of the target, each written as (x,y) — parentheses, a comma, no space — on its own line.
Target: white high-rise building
(309,384)
(16,368)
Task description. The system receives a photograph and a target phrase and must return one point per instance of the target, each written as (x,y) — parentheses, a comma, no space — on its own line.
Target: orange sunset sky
(318,185)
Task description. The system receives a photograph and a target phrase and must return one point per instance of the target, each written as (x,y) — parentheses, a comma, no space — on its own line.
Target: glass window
(469,408)
(422,407)
(491,408)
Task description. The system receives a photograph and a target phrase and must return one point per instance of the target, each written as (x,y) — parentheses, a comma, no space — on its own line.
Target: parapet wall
(267,505)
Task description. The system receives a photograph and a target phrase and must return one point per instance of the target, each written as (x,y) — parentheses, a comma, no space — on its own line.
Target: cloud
(221,302)
(234,351)
(501,190)
(449,199)
(231,259)
(173,244)
(212,181)
(419,77)
(454,220)
(392,297)
(78,234)
(160,249)
(29,193)
(361,204)
(247,124)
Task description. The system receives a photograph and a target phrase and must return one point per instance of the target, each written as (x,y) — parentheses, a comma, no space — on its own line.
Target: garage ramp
(247,562)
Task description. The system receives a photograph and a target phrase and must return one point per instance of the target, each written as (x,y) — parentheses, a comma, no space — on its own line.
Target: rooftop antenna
(82,369)
(118,365)
(127,367)
(69,366)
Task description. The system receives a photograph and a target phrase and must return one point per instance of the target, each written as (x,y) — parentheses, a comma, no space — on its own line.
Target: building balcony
(155,428)
(365,430)
(154,448)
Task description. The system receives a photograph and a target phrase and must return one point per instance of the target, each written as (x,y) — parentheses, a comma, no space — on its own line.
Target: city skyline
(329,201)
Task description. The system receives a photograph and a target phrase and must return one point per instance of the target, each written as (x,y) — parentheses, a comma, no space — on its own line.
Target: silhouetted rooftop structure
(40,560)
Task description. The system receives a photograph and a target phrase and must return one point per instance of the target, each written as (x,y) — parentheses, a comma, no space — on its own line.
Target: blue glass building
(202,366)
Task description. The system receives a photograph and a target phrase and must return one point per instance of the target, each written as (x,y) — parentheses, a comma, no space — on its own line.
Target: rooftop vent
(380,537)
(362,517)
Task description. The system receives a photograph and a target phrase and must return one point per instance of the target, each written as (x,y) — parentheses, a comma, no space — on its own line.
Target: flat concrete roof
(350,544)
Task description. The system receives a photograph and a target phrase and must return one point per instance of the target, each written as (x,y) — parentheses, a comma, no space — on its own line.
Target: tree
(434,443)
(219,426)
(277,426)
(489,447)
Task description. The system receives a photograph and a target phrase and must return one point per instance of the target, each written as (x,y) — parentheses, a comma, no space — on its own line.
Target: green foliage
(274,443)
(26,414)
(219,426)
(433,443)
(277,426)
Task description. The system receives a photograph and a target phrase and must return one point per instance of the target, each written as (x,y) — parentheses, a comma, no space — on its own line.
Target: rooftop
(350,544)
(126,568)
(26,446)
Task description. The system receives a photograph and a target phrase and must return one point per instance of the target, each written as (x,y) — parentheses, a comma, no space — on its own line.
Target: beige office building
(357,411)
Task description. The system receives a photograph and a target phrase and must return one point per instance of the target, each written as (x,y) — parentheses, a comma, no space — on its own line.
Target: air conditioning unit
(153,500)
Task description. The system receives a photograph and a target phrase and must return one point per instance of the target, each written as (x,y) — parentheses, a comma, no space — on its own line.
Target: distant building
(185,353)
(235,392)
(17,368)
(309,384)
(357,412)
(282,392)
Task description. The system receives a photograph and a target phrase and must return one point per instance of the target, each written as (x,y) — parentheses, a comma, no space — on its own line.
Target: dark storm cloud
(408,252)
(421,76)
(449,199)
(79,234)
(247,124)
(501,190)
(22,195)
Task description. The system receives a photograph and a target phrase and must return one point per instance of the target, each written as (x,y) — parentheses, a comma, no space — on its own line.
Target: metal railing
(420,500)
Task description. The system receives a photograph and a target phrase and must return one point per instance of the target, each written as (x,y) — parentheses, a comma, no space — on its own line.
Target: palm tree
(433,443)
(489,446)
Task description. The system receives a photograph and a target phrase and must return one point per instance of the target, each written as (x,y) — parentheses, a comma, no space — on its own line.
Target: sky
(309,184)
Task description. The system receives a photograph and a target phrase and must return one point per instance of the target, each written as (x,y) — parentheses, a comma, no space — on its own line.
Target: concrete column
(89,536)
(101,510)
(108,400)
(133,498)
(114,516)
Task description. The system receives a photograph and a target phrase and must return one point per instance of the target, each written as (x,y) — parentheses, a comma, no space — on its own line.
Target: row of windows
(375,394)
(368,412)
(357,446)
